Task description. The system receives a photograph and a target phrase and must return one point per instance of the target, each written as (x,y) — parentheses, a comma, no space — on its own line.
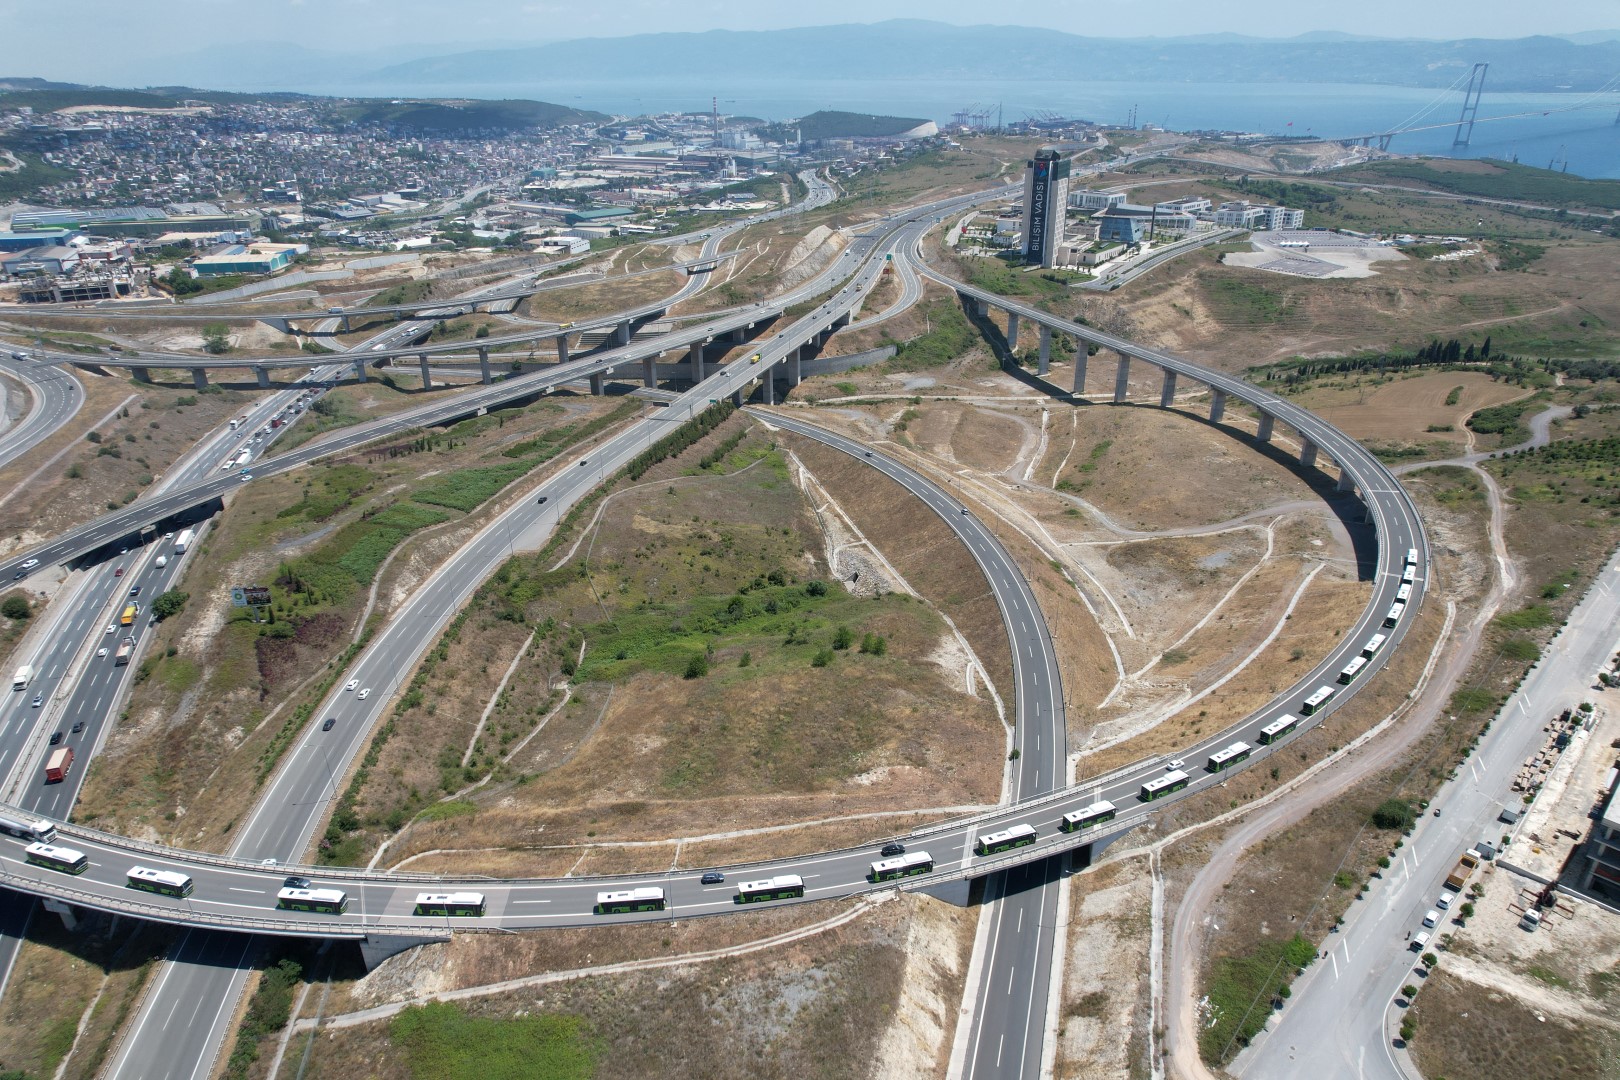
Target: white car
(1444,902)
(110,628)
(30,564)
(1175,763)
(101,652)
(352,684)
(365,693)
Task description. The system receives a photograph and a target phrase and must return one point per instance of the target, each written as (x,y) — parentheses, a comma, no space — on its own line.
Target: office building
(1046,205)
(1087,199)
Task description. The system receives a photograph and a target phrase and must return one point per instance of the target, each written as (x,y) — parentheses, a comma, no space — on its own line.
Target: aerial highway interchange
(238,892)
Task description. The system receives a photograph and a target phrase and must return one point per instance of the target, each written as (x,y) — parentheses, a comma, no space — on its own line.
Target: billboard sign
(1039,198)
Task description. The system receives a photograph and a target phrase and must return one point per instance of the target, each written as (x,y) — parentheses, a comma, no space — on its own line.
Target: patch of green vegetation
(1236,301)
(1504,420)
(1542,973)
(1474,701)
(1529,617)
(441,117)
(349,558)
(949,336)
(465,489)
(1587,470)
(444,811)
(1519,648)
(35,174)
(1007,278)
(1394,814)
(1506,180)
(1241,989)
(441,1042)
(406,292)
(267,1013)
(833,124)
(1516,255)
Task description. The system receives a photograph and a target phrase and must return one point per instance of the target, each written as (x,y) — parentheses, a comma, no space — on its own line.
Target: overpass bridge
(382,906)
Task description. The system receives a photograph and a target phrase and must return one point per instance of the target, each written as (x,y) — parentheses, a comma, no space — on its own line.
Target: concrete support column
(427,372)
(597,387)
(1082,355)
(483,365)
(767,387)
(345,324)
(793,368)
(199,378)
(562,349)
(1167,392)
(1046,346)
(695,358)
(360,370)
(1346,481)
(1122,381)
(1012,331)
(1217,405)
(737,397)
(649,372)
(141,374)
(64,909)
(1267,422)
(263,375)
(1307,453)
(621,333)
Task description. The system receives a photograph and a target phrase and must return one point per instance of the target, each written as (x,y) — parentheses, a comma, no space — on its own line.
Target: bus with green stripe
(1160,786)
(1222,760)
(908,865)
(994,843)
(63,860)
(1091,816)
(162,882)
(320,901)
(459,904)
(1278,728)
(780,887)
(626,901)
(1323,695)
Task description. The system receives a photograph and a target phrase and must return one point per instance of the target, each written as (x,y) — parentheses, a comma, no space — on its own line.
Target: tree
(16,607)
(874,645)
(1394,814)
(1408,991)
(822,658)
(843,638)
(1429,960)
(697,667)
(815,588)
(216,338)
(169,604)
(1466,911)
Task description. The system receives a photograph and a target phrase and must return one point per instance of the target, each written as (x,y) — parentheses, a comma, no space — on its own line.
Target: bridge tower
(1470,108)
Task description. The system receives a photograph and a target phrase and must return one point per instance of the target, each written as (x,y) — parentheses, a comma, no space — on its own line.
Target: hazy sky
(81,26)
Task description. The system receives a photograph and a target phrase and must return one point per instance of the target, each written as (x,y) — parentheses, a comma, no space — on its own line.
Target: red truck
(57,766)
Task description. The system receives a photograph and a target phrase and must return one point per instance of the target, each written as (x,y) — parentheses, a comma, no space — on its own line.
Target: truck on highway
(24,675)
(242,457)
(1459,873)
(128,617)
(58,764)
(183,541)
(125,648)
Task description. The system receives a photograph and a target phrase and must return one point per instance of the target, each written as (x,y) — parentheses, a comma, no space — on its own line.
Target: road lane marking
(233,888)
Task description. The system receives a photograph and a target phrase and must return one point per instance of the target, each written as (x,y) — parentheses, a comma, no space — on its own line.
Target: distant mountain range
(917,49)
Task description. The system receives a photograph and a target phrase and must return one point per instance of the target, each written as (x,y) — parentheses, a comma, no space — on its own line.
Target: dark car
(713,877)
(56,737)
(893,848)
(136,591)
(295,883)
(330,720)
(541,501)
(78,727)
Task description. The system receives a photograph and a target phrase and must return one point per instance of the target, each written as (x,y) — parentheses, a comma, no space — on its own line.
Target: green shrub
(16,607)
(1394,814)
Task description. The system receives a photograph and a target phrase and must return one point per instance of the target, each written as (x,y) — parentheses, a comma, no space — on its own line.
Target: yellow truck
(128,617)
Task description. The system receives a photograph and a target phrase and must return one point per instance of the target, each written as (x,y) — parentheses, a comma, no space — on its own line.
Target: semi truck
(24,676)
(183,541)
(1459,873)
(58,764)
(125,648)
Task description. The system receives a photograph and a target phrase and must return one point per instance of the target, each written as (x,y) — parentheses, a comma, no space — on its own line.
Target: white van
(1432,918)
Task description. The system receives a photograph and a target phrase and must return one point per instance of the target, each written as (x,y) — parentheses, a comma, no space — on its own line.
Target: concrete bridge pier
(360,370)
(737,397)
(343,321)
(1122,380)
(1046,343)
(199,378)
(649,371)
(767,387)
(694,354)
(598,385)
(263,375)
(1267,423)
(622,333)
(1217,405)
(562,349)
(1167,392)
(484,374)
(1346,481)
(141,374)
(70,920)
(1082,355)
(427,372)
(794,378)
(278,324)
(1307,452)
(1012,335)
